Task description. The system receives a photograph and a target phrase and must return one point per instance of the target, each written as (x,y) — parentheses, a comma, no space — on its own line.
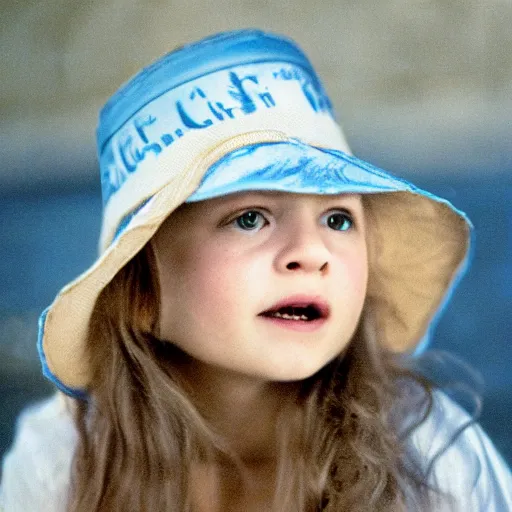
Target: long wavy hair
(339,442)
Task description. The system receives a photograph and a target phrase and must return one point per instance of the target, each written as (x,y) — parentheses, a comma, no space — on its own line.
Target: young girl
(248,338)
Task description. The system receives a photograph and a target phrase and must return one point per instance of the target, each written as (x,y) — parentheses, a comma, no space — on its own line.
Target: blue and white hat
(237,111)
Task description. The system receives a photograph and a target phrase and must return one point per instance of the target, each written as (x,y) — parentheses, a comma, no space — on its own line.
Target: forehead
(276,197)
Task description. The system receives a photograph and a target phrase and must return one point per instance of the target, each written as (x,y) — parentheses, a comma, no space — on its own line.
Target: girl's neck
(243,410)
(245,413)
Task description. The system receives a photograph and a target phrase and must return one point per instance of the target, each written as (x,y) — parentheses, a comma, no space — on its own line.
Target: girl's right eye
(251,220)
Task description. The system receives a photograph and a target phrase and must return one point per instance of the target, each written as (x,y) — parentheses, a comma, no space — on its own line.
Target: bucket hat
(245,110)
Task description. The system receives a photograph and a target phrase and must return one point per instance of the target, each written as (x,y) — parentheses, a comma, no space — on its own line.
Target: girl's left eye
(339,221)
(250,220)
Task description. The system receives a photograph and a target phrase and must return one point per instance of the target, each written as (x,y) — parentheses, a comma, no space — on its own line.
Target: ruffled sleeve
(36,471)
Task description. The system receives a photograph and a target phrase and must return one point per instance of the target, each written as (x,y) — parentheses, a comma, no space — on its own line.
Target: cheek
(211,284)
(355,269)
(225,281)
(360,272)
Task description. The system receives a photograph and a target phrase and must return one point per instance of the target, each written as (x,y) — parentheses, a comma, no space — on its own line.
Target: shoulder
(35,473)
(461,460)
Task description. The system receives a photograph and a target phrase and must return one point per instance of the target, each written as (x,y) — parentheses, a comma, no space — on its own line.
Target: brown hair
(340,445)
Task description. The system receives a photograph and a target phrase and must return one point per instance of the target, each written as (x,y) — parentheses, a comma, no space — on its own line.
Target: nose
(302,249)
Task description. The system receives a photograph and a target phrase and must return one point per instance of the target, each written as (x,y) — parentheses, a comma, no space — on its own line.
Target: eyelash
(234,222)
(347,217)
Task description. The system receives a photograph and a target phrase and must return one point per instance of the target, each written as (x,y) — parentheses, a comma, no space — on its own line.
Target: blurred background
(423,88)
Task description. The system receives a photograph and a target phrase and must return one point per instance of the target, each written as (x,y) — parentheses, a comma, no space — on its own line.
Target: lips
(299,308)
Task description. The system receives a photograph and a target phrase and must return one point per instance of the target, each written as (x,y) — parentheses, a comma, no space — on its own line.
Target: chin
(295,373)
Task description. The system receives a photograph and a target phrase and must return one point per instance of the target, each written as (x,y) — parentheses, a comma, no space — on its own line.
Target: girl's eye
(340,221)
(250,221)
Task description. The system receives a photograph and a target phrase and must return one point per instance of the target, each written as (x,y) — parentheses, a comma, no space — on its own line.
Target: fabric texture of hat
(245,110)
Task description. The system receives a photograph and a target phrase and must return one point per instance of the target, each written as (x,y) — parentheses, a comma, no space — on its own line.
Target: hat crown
(191,61)
(229,76)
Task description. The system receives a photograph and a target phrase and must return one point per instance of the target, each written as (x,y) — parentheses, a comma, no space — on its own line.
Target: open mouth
(299,309)
(296,313)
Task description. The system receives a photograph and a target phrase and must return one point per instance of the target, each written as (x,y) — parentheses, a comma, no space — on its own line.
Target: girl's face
(225,262)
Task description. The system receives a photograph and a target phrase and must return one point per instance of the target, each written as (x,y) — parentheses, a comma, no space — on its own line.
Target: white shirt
(36,470)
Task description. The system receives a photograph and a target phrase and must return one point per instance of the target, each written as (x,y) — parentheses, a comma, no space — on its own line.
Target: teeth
(286,316)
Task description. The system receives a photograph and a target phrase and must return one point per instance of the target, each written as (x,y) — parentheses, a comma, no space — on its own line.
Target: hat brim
(292,166)
(419,242)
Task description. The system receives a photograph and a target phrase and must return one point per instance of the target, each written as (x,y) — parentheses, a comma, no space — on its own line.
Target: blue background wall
(47,237)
